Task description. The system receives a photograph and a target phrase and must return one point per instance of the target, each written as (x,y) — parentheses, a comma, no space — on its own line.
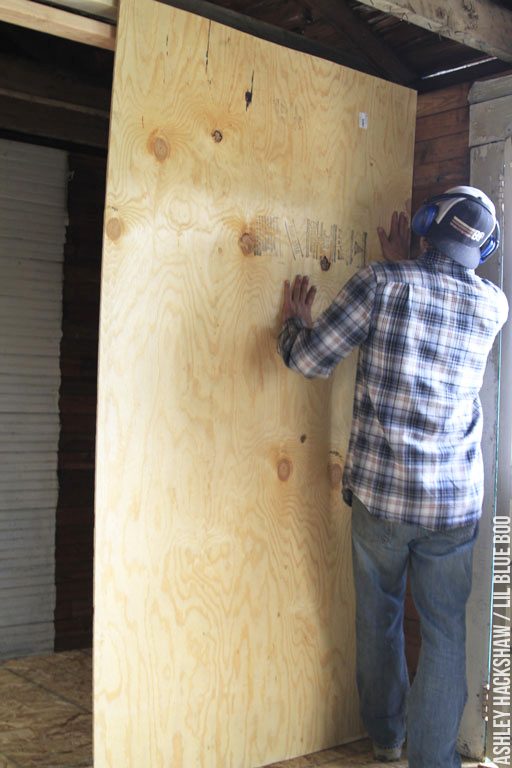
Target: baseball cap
(465,219)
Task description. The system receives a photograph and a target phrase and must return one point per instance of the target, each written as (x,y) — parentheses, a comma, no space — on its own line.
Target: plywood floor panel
(33,733)
(41,728)
(224,611)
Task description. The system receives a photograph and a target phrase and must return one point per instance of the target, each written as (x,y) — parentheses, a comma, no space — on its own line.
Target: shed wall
(32,230)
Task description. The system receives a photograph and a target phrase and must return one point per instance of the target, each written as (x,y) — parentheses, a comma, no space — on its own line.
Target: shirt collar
(442,263)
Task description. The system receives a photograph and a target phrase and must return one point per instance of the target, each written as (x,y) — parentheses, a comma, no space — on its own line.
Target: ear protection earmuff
(491,244)
(429,212)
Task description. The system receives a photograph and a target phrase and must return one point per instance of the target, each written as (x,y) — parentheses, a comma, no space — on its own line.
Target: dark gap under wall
(78,395)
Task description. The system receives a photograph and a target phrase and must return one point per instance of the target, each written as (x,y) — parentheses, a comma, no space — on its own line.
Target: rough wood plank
(22,76)
(491,121)
(103,9)
(450,172)
(446,147)
(490,89)
(50,119)
(54,21)
(380,53)
(483,25)
(443,100)
(224,612)
(442,124)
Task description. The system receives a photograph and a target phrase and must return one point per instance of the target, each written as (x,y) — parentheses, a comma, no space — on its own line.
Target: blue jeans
(439,565)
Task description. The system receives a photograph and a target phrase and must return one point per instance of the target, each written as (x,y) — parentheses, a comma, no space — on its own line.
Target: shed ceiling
(370,40)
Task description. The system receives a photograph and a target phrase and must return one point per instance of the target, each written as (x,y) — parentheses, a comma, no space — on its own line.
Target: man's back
(415,446)
(424,328)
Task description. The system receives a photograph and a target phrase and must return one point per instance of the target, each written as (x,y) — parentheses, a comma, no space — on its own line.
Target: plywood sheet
(224,614)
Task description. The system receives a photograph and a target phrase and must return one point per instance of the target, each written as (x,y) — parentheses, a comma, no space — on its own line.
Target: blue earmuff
(426,215)
(424,218)
(490,245)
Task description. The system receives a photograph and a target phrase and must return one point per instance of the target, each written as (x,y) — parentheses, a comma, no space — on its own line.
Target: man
(413,473)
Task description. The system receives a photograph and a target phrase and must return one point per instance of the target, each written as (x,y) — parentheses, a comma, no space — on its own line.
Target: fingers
(310,297)
(382,236)
(300,289)
(403,226)
(297,285)
(393,232)
(298,296)
(304,289)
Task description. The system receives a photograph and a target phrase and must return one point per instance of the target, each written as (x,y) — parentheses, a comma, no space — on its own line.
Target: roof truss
(480,24)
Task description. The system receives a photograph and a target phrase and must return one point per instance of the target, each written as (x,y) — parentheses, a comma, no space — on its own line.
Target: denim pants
(439,564)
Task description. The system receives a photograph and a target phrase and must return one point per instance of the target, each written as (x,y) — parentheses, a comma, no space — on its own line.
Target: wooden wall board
(224,612)
(442,142)
(446,99)
(491,121)
(442,123)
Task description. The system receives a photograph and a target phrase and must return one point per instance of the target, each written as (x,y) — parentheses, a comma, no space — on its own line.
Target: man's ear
(424,244)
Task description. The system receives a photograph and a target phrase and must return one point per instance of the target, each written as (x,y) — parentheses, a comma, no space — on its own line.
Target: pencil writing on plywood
(313,239)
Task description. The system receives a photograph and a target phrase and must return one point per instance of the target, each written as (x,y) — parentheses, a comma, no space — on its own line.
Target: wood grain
(442,124)
(223,598)
(444,100)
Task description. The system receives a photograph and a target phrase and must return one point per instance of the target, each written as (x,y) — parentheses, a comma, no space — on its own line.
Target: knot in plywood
(114,228)
(336,474)
(247,243)
(217,136)
(284,469)
(159,146)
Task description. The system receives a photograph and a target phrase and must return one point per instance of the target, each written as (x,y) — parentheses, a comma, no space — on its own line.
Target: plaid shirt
(424,329)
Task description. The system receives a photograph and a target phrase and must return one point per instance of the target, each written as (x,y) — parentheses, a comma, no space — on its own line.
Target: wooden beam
(479,24)
(102,9)
(50,119)
(54,21)
(39,100)
(490,89)
(38,80)
(341,16)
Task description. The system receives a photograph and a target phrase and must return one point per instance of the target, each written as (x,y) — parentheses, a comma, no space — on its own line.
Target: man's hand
(395,246)
(298,300)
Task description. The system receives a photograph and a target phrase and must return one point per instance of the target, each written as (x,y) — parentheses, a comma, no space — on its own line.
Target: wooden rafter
(479,24)
(341,16)
(55,21)
(103,9)
(39,100)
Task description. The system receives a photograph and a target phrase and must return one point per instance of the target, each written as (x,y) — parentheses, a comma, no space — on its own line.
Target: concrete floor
(46,719)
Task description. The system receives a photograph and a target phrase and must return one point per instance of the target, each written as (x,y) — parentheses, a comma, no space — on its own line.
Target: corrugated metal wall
(33,218)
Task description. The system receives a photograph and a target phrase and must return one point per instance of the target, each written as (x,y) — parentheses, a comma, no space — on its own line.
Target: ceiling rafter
(479,24)
(340,15)
(55,21)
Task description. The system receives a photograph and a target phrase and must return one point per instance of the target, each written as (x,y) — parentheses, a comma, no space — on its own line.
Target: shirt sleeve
(345,324)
